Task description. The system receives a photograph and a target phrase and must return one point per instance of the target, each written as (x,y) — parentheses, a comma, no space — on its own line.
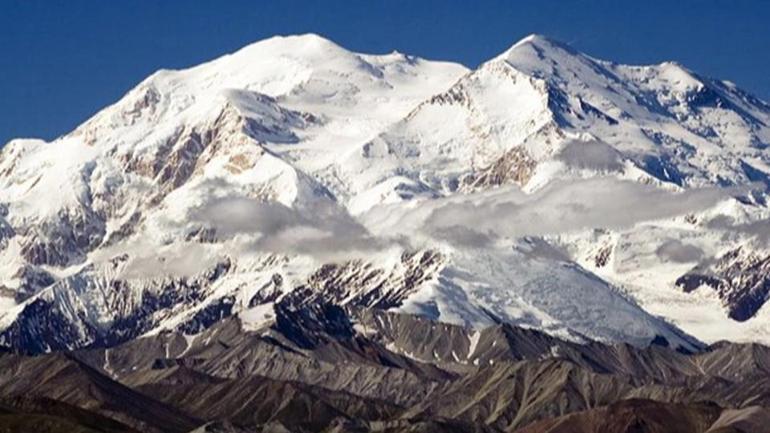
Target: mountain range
(387,243)
(324,368)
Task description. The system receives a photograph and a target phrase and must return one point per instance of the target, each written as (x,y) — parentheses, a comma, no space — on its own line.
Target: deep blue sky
(61,61)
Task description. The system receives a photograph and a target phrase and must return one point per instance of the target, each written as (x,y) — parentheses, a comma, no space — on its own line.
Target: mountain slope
(64,379)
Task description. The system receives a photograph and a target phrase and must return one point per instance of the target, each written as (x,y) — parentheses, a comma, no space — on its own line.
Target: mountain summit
(546,189)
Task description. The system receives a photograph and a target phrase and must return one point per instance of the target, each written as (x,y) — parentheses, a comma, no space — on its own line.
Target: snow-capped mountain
(545,188)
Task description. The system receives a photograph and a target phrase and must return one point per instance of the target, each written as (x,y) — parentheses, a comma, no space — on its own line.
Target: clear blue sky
(61,61)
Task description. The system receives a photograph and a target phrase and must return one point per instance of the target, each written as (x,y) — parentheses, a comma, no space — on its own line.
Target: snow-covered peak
(295,167)
(678,77)
(543,57)
(295,43)
(536,44)
(556,61)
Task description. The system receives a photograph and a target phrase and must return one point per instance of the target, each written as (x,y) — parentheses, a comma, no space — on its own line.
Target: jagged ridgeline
(296,237)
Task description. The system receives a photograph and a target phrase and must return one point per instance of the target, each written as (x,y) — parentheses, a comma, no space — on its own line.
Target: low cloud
(230,216)
(591,155)
(758,230)
(676,251)
(561,207)
(152,262)
(322,228)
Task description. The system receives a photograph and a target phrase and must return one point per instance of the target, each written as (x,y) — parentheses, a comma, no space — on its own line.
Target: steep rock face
(81,310)
(104,307)
(31,280)
(63,241)
(739,277)
(362,284)
(515,166)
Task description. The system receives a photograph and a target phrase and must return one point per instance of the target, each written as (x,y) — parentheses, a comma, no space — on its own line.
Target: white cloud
(591,155)
(561,207)
(674,250)
(320,229)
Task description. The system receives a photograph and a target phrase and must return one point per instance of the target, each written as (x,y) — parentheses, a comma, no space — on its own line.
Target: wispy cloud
(591,155)
(758,230)
(320,228)
(561,207)
(674,250)
(324,230)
